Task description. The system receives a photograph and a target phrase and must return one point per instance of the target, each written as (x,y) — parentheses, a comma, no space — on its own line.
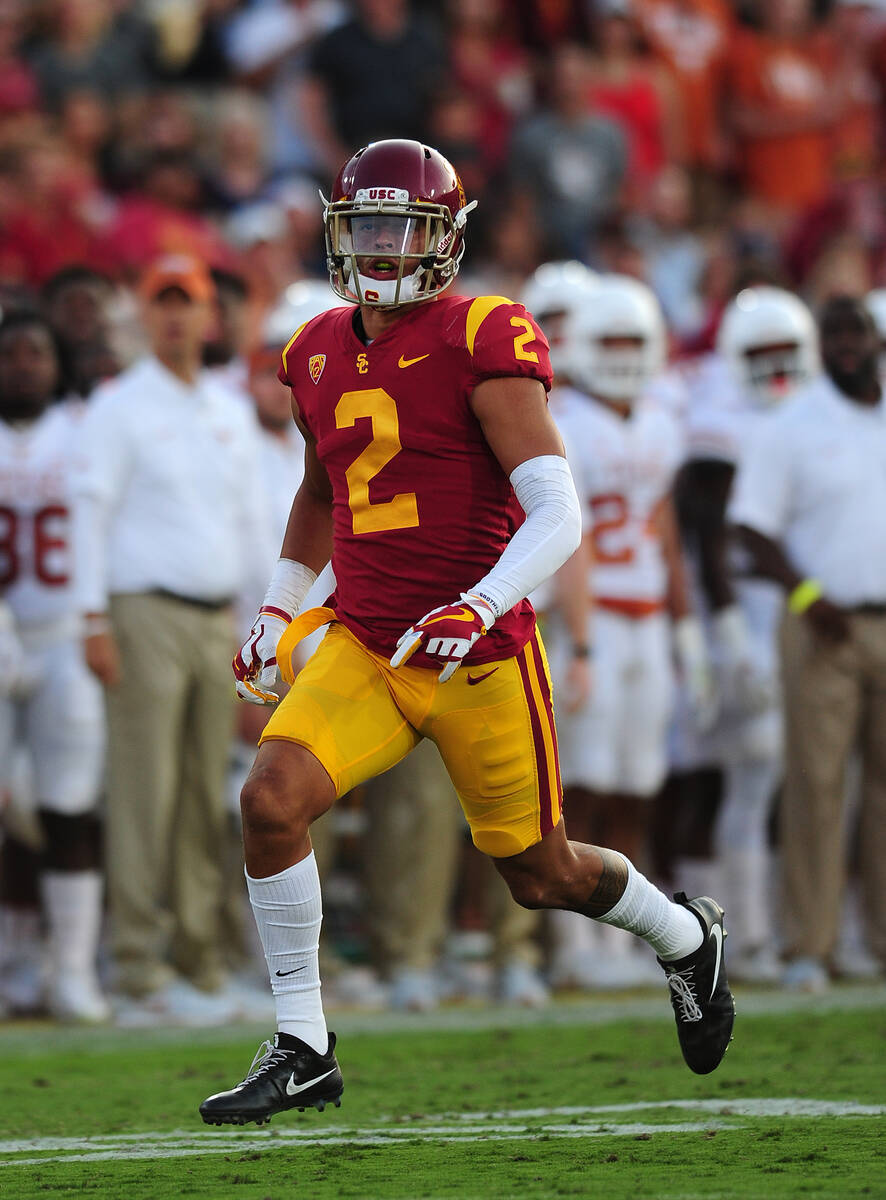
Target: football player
(424,415)
(57,711)
(767,347)
(624,450)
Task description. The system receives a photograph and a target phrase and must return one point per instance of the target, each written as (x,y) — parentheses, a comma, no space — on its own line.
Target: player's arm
(805,596)
(514,417)
(689,641)
(307,544)
(574,600)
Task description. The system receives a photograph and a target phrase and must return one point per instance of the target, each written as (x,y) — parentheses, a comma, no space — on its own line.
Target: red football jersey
(421,508)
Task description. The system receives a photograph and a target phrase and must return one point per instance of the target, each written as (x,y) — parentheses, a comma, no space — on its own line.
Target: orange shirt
(785,79)
(691,38)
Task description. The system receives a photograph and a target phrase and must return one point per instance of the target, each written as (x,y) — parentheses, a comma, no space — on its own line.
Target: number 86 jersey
(421,508)
(38,465)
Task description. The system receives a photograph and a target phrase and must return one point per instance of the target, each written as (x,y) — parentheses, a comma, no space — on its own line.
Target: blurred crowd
(160,162)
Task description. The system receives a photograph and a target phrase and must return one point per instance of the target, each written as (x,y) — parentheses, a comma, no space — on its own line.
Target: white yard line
(507,1125)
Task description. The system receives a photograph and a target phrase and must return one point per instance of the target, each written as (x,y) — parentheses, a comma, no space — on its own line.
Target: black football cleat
(700,995)
(284,1074)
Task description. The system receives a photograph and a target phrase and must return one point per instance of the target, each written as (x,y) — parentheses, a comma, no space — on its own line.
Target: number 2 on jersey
(401,512)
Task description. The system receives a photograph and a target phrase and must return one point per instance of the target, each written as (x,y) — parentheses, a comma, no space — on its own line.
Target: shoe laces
(268,1055)
(683,994)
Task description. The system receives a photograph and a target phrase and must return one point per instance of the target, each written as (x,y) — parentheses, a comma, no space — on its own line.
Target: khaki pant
(170,723)
(835,700)
(412,849)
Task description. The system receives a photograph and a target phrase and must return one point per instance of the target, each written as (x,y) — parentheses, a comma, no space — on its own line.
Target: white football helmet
(876,302)
(552,291)
(300,302)
(617,341)
(768,337)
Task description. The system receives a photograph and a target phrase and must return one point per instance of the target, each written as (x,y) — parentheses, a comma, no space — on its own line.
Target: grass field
(587,1099)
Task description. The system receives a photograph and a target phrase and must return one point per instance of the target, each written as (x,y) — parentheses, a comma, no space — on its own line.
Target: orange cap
(178,271)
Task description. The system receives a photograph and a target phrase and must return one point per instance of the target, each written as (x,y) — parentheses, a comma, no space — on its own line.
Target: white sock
(288,912)
(671,930)
(73,904)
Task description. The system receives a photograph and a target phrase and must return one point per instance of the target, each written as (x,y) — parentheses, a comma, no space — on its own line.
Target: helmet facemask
(387,252)
(619,368)
(772,373)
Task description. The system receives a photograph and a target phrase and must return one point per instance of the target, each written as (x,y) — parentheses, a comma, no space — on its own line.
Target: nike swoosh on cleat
(472,679)
(293,1088)
(408,362)
(292,972)
(716,932)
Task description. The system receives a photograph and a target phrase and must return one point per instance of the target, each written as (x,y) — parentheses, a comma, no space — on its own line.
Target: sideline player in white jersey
(624,450)
(58,710)
(767,347)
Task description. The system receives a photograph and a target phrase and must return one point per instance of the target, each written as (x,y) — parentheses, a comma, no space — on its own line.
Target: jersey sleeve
(503,340)
(762,488)
(287,375)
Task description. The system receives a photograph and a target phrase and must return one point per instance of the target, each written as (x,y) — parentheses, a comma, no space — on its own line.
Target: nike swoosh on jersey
(293,1088)
(283,974)
(409,362)
(716,932)
(472,679)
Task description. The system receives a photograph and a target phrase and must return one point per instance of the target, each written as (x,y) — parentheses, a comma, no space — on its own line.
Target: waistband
(193,601)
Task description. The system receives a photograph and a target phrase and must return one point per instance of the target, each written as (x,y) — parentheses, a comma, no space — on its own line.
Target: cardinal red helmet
(395,224)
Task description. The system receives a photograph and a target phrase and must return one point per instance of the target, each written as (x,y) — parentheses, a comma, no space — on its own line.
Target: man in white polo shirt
(176,523)
(810,502)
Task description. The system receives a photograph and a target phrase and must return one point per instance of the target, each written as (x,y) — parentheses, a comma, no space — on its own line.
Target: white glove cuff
(482,607)
(290,583)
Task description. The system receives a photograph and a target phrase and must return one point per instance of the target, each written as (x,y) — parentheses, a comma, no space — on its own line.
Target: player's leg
(588,748)
(501,751)
(751,778)
(336,727)
(65,731)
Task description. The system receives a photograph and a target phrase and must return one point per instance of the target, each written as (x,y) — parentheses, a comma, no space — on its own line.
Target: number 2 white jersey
(623,469)
(39,465)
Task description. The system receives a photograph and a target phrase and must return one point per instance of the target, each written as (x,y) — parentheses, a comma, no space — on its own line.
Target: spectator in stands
(267,47)
(19,91)
(238,172)
(91,43)
(784,101)
(175,525)
(163,216)
(374,77)
(634,90)
(570,161)
(491,69)
(810,501)
(691,37)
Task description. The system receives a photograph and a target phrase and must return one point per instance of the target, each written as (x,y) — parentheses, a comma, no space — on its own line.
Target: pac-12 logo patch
(316,363)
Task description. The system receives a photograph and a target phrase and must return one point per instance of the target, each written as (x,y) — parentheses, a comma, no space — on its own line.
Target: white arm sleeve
(548,536)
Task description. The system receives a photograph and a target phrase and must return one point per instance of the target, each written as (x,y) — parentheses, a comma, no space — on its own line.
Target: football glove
(745,686)
(695,670)
(255,663)
(447,633)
